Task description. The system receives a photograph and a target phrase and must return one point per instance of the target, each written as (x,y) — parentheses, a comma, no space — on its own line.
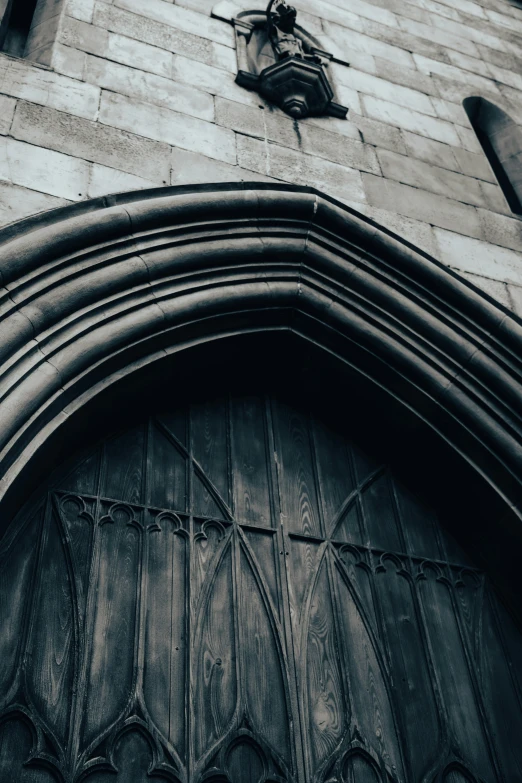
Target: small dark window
(17,17)
(501,140)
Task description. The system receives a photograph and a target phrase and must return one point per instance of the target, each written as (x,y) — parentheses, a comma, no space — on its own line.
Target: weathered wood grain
(215,656)
(124,456)
(298,489)
(208,425)
(16,575)
(454,673)
(421,735)
(266,686)
(113,648)
(166,623)
(52,649)
(167,472)
(250,461)
(302,600)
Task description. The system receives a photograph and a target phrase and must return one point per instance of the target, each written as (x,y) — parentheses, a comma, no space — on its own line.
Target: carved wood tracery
(233,591)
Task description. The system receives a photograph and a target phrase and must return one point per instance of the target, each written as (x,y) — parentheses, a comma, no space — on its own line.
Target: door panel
(232,591)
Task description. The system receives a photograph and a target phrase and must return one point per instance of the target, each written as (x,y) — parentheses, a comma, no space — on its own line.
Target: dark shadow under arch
(144,284)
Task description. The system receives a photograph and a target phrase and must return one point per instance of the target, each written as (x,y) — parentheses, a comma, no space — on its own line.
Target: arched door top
(95,291)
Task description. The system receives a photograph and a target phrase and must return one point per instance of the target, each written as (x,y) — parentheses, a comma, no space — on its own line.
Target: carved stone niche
(282,62)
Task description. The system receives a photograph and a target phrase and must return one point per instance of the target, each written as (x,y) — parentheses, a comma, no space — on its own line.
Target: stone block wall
(141,94)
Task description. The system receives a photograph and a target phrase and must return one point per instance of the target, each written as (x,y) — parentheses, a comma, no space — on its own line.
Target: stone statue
(281,22)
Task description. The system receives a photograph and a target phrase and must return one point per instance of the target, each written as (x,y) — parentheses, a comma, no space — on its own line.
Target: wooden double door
(233,591)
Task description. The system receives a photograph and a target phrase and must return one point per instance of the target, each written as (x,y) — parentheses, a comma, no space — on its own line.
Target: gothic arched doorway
(230,589)
(369,649)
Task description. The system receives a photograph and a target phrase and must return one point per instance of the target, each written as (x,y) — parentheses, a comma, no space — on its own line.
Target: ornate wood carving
(232,591)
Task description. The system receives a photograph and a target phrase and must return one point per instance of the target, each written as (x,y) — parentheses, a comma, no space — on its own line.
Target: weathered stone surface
(17,202)
(92,141)
(451,72)
(190,168)
(407,77)
(333,124)
(259,123)
(479,258)
(104,180)
(149,87)
(501,229)
(182,19)
(348,97)
(442,37)
(380,88)
(495,289)
(391,114)
(332,146)
(70,62)
(452,112)
(292,166)
(421,205)
(435,179)
(44,170)
(379,134)
(434,152)
(474,164)
(153,32)
(21,79)
(212,80)
(419,234)
(163,125)
(167,71)
(7,109)
(472,64)
(81,9)
(515,298)
(341,42)
(299,136)
(80,35)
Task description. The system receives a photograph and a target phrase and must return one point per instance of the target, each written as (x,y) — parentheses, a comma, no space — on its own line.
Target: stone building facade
(260,391)
(116,96)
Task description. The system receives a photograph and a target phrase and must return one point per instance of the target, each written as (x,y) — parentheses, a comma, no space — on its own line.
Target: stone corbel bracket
(291,75)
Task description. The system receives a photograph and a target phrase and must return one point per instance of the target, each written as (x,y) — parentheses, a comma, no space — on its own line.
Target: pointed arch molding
(92,292)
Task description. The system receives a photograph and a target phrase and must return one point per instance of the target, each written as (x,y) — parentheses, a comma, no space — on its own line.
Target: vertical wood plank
(52,647)
(418,524)
(334,467)
(322,684)
(500,692)
(297,479)
(215,673)
(411,674)
(113,649)
(209,448)
(250,461)
(16,576)
(167,482)
(369,686)
(265,693)
(264,549)
(83,479)
(124,471)
(379,515)
(453,672)
(165,675)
